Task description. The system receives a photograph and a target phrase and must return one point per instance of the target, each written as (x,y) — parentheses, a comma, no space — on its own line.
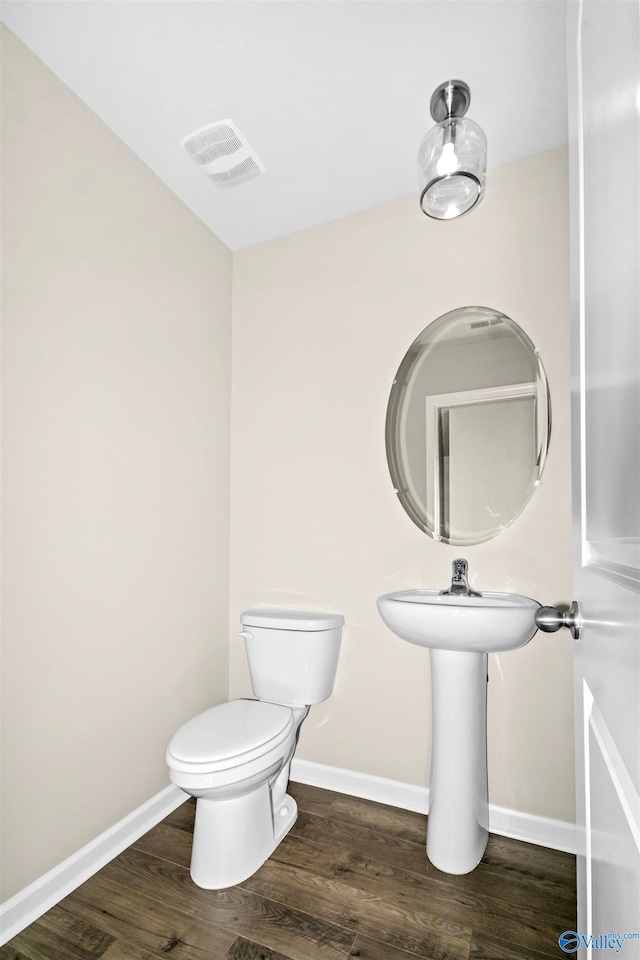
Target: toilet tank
(292,654)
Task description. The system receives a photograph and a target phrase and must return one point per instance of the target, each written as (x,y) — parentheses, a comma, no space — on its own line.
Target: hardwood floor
(350,880)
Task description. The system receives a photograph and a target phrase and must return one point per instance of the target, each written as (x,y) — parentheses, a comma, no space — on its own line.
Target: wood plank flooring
(350,880)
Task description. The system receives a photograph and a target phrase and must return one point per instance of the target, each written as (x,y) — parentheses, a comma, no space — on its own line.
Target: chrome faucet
(459,582)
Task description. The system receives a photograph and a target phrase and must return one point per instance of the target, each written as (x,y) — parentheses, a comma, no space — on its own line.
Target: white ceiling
(333,95)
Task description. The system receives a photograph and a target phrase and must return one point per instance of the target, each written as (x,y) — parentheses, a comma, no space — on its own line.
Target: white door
(604,101)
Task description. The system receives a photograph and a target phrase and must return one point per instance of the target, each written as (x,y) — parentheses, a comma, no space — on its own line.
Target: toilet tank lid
(278,619)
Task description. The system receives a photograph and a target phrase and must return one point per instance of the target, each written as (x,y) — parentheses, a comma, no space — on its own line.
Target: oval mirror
(468,425)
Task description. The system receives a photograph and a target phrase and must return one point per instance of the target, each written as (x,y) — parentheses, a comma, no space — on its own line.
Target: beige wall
(117,359)
(321,322)
(116,351)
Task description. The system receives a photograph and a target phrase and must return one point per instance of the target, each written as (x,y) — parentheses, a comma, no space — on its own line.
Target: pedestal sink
(459,630)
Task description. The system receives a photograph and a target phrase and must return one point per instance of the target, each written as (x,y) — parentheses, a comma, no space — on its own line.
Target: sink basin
(491,623)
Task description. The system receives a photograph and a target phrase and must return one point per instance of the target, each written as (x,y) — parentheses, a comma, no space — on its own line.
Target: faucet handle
(459,569)
(459,582)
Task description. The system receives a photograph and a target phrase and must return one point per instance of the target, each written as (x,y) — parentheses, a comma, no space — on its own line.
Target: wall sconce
(452,158)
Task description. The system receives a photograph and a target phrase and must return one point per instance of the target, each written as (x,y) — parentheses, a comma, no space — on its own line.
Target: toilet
(235,757)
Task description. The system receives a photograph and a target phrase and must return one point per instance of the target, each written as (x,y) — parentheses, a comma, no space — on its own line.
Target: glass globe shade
(452,168)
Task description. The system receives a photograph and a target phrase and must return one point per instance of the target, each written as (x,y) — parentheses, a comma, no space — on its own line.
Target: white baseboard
(543,831)
(21,910)
(396,794)
(555,834)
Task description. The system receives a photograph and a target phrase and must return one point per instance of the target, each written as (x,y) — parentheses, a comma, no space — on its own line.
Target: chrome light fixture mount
(452,158)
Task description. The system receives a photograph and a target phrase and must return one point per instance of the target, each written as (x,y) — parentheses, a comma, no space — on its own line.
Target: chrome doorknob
(549,619)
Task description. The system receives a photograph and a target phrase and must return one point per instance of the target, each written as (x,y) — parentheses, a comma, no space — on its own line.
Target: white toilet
(235,757)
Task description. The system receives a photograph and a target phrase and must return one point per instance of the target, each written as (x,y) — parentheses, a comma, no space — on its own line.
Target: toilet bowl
(235,757)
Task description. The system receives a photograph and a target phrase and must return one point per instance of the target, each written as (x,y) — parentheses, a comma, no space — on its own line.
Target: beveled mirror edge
(398,388)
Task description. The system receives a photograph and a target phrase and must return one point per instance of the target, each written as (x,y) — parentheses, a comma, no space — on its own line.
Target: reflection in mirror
(468,425)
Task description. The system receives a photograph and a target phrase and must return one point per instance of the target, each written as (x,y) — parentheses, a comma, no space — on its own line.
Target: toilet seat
(231,735)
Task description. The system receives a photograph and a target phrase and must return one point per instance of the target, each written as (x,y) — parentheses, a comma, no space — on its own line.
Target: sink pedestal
(458,804)
(459,630)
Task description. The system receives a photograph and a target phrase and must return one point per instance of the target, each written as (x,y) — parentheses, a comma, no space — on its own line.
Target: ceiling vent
(223,154)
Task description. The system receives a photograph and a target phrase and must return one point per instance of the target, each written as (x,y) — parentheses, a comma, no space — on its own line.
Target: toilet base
(233,838)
